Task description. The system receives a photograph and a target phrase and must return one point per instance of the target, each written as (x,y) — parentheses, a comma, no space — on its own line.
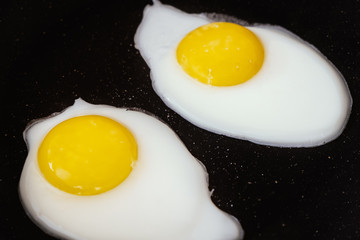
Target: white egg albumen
(297,99)
(166,195)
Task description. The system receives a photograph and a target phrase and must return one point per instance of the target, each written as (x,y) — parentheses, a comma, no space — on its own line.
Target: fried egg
(100,172)
(259,83)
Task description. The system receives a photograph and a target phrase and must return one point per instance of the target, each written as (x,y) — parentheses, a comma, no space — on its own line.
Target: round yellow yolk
(221,54)
(87,155)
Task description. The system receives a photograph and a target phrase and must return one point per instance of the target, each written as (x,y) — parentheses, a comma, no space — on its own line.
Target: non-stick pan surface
(53,52)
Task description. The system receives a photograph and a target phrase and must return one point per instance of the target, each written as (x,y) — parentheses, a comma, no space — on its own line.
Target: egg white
(166,195)
(297,99)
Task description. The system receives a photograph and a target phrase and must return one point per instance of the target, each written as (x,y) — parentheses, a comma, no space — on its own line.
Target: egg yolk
(221,54)
(87,155)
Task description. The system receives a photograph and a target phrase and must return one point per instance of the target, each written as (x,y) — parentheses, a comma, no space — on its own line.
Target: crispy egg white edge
(50,226)
(198,20)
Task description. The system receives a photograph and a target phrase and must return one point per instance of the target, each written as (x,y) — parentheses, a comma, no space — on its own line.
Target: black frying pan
(53,52)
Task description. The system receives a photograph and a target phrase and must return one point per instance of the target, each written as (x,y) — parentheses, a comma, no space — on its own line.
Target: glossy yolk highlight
(221,54)
(87,155)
